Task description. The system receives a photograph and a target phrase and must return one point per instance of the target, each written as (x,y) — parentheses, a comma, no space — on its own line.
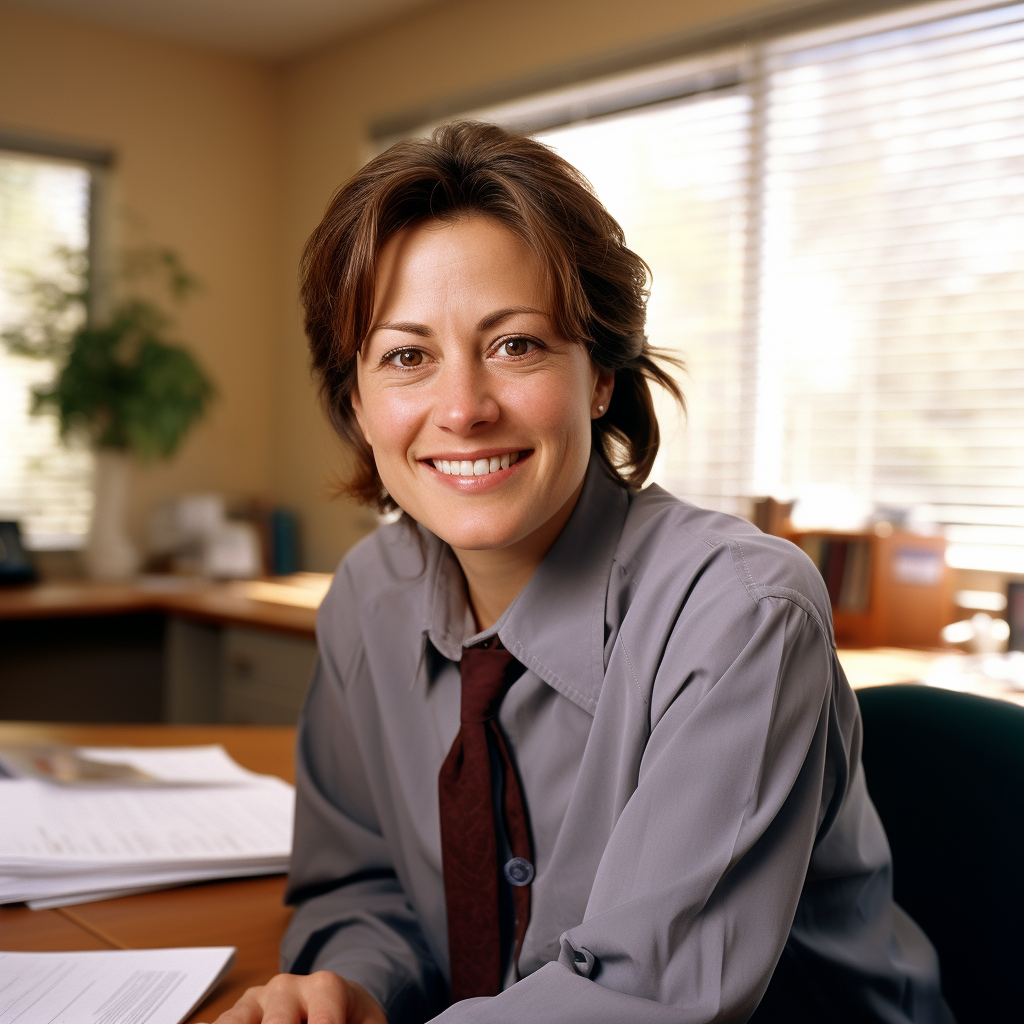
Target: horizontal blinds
(44,484)
(891,331)
(676,177)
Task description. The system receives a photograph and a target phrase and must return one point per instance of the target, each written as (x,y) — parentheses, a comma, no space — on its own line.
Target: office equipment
(15,566)
(199,816)
(887,588)
(144,986)
(944,771)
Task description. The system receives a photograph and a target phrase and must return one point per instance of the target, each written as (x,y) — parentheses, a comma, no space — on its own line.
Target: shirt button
(519,871)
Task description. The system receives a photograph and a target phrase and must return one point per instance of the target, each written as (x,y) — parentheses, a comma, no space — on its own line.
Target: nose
(464,401)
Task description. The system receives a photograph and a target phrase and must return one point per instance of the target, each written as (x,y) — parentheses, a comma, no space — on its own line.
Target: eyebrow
(489,321)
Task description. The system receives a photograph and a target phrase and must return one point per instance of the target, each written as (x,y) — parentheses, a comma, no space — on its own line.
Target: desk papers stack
(169,816)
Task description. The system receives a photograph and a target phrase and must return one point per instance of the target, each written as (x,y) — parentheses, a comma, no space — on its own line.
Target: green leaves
(169,392)
(122,382)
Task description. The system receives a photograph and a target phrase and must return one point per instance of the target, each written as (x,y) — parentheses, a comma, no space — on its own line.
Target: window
(835,224)
(45,484)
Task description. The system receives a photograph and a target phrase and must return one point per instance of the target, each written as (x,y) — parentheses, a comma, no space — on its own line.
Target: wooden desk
(879,666)
(287,605)
(159,649)
(246,913)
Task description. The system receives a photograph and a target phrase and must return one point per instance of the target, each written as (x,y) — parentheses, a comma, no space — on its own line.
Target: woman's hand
(321,998)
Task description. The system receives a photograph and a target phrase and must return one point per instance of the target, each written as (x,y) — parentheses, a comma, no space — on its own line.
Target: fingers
(326,1000)
(248,1009)
(321,998)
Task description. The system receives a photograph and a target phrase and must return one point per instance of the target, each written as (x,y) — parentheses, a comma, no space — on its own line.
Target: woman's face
(477,411)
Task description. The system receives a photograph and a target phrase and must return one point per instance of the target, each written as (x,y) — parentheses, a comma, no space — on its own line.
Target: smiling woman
(573,751)
(466,389)
(591,288)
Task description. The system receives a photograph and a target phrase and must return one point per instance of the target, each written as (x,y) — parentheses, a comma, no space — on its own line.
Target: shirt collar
(556,625)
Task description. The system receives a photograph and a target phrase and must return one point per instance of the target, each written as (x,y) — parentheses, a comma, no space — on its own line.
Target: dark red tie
(469,844)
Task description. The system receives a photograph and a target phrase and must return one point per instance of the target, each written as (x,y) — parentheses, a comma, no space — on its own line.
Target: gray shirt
(689,753)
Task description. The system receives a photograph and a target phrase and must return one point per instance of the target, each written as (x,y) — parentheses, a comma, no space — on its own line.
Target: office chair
(946,772)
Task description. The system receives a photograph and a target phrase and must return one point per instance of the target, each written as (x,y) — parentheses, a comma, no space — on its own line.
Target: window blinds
(44,205)
(891,322)
(838,252)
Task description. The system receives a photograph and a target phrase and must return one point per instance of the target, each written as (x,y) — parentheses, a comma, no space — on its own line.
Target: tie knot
(486,674)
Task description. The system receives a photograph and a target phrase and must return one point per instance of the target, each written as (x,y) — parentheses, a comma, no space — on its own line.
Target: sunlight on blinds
(44,205)
(892,274)
(675,177)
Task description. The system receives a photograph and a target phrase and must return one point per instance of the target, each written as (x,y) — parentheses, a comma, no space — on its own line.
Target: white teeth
(479,467)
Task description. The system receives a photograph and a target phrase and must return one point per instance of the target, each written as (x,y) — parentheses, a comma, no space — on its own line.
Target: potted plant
(120,379)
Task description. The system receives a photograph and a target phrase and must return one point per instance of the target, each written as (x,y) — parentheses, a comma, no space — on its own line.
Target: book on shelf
(845,565)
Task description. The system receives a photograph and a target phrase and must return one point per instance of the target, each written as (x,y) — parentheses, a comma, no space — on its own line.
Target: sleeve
(352,916)
(698,886)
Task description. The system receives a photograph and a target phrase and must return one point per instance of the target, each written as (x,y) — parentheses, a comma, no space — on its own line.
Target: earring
(600,408)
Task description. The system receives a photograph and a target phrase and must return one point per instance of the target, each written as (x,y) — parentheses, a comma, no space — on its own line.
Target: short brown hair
(467,167)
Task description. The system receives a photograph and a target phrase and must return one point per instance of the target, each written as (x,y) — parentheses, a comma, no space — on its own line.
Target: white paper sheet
(66,890)
(47,825)
(146,986)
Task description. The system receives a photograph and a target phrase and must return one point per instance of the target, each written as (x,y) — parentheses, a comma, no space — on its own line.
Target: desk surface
(287,604)
(245,913)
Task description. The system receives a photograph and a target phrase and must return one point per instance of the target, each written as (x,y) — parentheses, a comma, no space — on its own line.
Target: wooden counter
(285,604)
(880,666)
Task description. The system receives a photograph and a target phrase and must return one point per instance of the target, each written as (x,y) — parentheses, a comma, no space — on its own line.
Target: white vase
(109,553)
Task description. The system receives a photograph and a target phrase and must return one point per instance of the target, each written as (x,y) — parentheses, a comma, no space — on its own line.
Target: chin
(475,538)
(477,532)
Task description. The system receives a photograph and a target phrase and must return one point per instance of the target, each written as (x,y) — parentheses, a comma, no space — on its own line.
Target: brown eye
(515,346)
(408,357)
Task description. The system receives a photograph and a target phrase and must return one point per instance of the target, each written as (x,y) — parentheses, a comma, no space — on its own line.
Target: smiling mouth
(476,467)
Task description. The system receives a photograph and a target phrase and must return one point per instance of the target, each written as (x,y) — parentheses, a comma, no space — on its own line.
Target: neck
(496,576)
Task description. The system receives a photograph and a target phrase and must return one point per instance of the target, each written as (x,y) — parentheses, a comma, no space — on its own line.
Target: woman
(658,813)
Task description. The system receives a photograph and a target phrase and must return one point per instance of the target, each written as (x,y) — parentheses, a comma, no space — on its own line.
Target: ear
(357,408)
(602,397)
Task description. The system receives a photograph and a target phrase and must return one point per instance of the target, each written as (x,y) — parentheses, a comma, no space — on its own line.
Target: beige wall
(232,162)
(196,136)
(332,97)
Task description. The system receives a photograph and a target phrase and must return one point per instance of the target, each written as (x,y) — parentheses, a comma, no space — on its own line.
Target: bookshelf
(887,588)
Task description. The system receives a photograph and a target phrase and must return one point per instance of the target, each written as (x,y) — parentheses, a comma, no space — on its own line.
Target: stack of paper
(179,815)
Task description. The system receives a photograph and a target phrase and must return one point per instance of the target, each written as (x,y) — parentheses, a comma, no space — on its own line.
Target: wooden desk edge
(211,603)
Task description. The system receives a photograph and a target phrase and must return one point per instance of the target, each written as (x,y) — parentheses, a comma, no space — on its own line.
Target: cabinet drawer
(265,676)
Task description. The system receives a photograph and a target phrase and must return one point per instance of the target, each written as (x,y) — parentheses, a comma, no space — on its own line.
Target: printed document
(196,815)
(131,986)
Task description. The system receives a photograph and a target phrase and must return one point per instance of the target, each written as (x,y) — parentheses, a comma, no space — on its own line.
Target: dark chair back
(946,772)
